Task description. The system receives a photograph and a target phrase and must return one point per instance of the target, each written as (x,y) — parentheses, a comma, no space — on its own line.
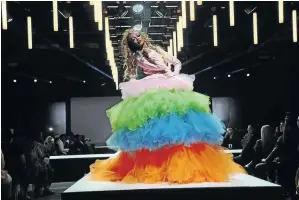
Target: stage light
(231,13)
(215,31)
(4,15)
(14,80)
(229,76)
(170,47)
(214,78)
(199,3)
(84,81)
(192,11)
(255,29)
(50,82)
(137,27)
(248,74)
(174,44)
(100,16)
(29,32)
(294,21)
(55,15)
(138,8)
(180,36)
(51,129)
(35,80)
(71,32)
(280,12)
(184,16)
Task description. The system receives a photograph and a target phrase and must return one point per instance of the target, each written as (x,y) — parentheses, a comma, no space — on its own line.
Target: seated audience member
(286,150)
(50,150)
(61,150)
(38,166)
(262,149)
(277,132)
(6,181)
(49,145)
(248,150)
(232,140)
(88,147)
(79,145)
(16,163)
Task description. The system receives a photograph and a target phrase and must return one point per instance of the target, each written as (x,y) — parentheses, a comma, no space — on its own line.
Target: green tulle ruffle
(134,112)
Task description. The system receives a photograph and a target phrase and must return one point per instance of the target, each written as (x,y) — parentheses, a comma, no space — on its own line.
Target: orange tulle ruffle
(198,162)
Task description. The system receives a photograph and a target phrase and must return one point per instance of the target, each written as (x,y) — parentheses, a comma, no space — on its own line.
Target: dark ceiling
(51,59)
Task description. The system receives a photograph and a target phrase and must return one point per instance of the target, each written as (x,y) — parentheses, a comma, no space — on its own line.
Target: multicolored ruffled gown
(164,132)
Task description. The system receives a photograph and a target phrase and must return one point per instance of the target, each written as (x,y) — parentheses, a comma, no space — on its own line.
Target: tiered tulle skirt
(165,135)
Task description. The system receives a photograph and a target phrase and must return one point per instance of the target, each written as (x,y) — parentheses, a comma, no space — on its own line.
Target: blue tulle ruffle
(169,130)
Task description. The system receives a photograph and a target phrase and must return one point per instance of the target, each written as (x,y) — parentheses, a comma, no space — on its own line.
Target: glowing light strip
(215,30)
(110,53)
(294,19)
(181,33)
(192,11)
(170,47)
(174,44)
(255,29)
(71,32)
(178,30)
(280,12)
(184,17)
(100,16)
(231,13)
(96,11)
(4,15)
(29,32)
(55,15)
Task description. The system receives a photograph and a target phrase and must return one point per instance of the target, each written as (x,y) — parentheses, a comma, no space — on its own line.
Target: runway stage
(241,187)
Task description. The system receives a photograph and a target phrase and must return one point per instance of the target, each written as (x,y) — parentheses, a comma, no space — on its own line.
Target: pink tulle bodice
(159,75)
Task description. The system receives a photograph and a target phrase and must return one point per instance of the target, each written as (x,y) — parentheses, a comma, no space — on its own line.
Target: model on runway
(164,130)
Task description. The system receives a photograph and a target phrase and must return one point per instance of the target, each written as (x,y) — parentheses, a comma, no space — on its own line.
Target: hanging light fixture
(255,28)
(29,32)
(4,15)
(55,15)
(280,12)
(231,13)
(71,32)
(215,30)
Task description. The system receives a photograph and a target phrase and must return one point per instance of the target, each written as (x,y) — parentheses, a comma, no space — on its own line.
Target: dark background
(263,97)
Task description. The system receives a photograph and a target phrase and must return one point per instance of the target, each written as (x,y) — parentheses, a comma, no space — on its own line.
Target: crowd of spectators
(25,160)
(269,152)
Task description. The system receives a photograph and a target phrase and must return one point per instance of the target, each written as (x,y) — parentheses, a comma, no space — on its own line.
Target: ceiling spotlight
(14,80)
(84,81)
(122,10)
(248,74)
(50,81)
(228,75)
(138,8)
(214,78)
(35,80)
(9,17)
(50,129)
(250,9)
(137,27)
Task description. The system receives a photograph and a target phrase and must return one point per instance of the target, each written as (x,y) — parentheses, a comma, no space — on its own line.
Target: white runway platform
(241,187)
